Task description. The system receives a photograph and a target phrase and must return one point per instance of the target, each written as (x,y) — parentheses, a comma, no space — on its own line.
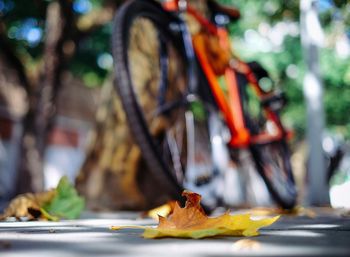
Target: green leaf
(66,204)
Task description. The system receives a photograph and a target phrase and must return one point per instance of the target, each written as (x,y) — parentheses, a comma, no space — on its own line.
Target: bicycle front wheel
(152,80)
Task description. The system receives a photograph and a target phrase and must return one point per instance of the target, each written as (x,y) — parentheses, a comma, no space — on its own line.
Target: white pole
(312,38)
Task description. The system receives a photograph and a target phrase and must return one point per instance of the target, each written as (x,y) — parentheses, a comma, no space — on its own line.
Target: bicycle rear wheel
(152,79)
(273,163)
(272,158)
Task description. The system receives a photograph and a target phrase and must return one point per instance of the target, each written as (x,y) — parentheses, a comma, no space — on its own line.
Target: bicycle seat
(231,13)
(258,70)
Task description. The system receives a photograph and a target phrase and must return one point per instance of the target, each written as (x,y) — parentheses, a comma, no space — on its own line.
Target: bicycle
(187,124)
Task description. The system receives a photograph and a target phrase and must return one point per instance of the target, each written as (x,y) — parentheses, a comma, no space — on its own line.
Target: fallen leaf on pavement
(61,202)
(28,205)
(192,222)
(66,203)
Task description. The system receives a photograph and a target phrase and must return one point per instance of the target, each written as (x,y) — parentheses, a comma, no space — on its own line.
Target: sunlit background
(268,32)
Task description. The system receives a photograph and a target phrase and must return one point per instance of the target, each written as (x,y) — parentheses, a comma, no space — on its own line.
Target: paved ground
(324,235)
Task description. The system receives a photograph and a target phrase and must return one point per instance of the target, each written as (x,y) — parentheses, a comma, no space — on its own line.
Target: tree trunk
(110,159)
(44,82)
(42,99)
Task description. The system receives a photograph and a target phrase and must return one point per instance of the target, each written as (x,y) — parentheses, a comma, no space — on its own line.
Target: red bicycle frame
(230,103)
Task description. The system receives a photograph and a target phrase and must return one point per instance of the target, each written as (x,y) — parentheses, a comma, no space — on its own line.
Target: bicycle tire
(275,154)
(272,161)
(150,142)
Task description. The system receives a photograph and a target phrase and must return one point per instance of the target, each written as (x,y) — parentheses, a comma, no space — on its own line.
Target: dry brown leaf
(192,222)
(28,205)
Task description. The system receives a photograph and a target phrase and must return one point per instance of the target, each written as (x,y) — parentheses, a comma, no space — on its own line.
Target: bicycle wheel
(272,159)
(152,80)
(273,163)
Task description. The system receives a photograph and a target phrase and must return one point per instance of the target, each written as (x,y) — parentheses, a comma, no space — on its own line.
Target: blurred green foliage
(25,28)
(85,62)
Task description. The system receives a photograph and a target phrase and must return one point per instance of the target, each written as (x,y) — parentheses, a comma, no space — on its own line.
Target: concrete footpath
(323,235)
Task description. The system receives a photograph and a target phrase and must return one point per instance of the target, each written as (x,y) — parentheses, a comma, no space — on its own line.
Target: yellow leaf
(192,222)
(164,210)
(122,227)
